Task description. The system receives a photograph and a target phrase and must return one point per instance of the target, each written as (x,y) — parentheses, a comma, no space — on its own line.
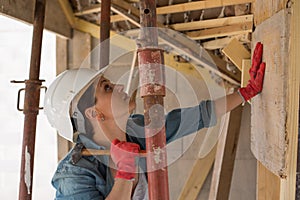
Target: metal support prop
(104,32)
(31,104)
(152,80)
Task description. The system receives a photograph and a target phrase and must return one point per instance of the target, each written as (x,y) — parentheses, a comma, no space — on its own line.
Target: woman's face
(111,99)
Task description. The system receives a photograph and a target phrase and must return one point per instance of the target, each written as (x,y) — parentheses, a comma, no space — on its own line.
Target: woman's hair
(87,100)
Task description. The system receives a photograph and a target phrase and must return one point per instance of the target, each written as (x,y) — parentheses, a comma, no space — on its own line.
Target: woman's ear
(91,113)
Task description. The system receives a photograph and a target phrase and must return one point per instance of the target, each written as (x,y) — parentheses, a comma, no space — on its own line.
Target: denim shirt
(90,178)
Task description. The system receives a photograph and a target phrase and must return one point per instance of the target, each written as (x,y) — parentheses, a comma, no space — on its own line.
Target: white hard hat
(70,87)
(61,93)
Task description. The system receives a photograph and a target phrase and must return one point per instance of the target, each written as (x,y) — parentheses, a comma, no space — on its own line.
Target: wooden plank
(221,31)
(223,42)
(116,18)
(269,111)
(265,9)
(246,65)
(288,185)
(23,10)
(63,145)
(225,156)
(211,23)
(236,52)
(198,5)
(268,184)
(92,9)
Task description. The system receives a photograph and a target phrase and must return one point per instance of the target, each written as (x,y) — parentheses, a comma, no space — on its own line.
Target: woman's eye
(107,88)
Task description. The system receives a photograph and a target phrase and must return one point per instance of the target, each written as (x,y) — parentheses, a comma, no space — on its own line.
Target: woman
(99,113)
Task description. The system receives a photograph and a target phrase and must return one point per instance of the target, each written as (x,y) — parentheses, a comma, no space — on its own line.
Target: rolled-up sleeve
(184,121)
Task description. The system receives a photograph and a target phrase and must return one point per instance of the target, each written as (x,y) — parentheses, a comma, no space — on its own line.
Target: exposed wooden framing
(223,42)
(197,176)
(225,156)
(221,31)
(236,52)
(93,29)
(127,6)
(79,24)
(92,9)
(23,10)
(246,65)
(116,18)
(212,23)
(198,5)
(184,46)
(288,185)
(222,66)
(125,15)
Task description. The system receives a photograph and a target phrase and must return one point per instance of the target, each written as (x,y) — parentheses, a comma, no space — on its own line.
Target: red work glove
(257,72)
(123,154)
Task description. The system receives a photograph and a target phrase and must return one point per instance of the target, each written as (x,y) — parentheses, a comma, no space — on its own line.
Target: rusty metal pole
(152,80)
(104,32)
(31,104)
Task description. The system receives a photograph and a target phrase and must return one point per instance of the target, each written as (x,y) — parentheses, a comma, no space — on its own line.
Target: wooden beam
(223,42)
(225,156)
(116,18)
(288,185)
(92,9)
(246,65)
(236,52)
(77,23)
(212,23)
(221,31)
(23,10)
(198,5)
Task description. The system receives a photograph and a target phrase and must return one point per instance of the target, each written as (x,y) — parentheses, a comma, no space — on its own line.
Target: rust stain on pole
(104,32)
(152,80)
(31,104)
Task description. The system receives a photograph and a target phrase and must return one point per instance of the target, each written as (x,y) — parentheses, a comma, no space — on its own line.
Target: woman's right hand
(123,155)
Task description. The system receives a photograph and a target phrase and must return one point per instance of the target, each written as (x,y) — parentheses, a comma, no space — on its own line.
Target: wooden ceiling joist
(236,29)
(223,42)
(211,23)
(92,9)
(198,5)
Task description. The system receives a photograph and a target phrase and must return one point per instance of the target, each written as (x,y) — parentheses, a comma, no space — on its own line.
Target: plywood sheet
(268,120)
